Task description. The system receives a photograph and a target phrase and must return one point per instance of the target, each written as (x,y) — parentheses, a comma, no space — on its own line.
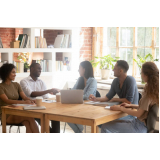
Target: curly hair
(152,87)
(5,70)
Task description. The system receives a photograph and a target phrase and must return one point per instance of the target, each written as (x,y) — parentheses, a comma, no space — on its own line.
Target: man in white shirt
(32,86)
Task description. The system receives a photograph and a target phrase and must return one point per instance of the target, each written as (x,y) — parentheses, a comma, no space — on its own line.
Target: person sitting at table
(124,86)
(32,86)
(9,94)
(86,82)
(150,96)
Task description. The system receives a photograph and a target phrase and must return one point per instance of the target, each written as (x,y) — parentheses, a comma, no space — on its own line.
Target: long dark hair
(5,70)
(88,73)
(152,87)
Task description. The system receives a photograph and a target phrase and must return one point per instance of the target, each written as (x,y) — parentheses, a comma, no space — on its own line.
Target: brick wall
(8,35)
(86,43)
(50,35)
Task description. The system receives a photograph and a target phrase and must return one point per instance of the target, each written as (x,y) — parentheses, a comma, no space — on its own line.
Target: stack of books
(40,42)
(46,65)
(1,45)
(62,41)
(19,67)
(24,41)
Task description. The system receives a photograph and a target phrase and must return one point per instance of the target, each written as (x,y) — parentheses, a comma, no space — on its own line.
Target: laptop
(71,96)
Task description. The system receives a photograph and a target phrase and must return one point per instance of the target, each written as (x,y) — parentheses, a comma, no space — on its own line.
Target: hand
(125,105)
(54,91)
(28,102)
(115,108)
(92,97)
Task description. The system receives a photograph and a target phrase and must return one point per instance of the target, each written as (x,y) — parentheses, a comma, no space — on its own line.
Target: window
(128,42)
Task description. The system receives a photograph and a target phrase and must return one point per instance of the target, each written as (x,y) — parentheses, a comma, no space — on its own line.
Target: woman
(10,93)
(87,83)
(150,74)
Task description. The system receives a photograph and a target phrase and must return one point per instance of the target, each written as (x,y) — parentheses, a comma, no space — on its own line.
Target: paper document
(91,102)
(48,101)
(23,105)
(107,107)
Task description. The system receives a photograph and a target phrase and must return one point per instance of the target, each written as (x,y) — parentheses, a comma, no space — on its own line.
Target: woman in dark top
(10,93)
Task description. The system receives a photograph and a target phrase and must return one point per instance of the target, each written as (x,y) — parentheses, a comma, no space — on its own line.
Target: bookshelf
(50,78)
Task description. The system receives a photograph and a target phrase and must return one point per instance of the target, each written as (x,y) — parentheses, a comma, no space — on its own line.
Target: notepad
(91,102)
(102,103)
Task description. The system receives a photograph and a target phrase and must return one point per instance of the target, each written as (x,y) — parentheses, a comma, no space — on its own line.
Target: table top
(72,110)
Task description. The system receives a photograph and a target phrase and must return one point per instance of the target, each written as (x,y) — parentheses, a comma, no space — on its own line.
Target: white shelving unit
(54,78)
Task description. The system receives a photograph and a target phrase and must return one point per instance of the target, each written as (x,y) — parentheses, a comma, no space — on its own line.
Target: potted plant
(23,57)
(140,60)
(106,64)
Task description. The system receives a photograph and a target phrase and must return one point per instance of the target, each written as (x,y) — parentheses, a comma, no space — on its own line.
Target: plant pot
(105,73)
(25,69)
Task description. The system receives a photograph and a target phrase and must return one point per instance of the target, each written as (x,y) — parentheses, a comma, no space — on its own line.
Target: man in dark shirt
(124,86)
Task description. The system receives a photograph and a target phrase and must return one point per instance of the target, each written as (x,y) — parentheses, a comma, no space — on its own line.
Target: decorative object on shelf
(1,45)
(14,44)
(106,64)
(140,60)
(23,57)
(66,64)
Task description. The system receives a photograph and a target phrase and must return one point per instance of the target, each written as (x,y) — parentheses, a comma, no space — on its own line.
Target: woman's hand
(125,105)
(29,102)
(92,97)
(115,108)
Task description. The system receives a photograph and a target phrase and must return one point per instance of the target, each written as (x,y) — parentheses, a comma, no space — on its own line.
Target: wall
(8,35)
(85,38)
(50,35)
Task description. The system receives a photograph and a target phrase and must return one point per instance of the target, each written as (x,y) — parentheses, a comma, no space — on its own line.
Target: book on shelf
(62,41)
(24,41)
(19,67)
(46,64)
(1,45)
(40,42)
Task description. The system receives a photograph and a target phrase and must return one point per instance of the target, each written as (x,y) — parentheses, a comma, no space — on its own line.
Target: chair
(18,125)
(152,118)
(97,95)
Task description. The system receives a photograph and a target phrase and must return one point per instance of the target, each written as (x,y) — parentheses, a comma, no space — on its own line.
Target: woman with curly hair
(10,93)
(150,96)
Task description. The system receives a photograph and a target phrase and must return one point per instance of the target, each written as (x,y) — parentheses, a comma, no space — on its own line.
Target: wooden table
(89,115)
(18,111)
(80,114)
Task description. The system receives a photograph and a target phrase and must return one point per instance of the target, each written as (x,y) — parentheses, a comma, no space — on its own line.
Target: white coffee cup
(39,101)
(58,97)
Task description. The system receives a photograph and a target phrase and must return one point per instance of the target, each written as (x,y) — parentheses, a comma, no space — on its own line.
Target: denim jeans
(124,125)
(77,128)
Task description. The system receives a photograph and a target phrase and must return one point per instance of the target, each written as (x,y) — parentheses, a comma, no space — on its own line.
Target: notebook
(29,107)
(102,103)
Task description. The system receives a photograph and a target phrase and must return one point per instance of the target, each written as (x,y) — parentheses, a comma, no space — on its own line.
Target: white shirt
(29,85)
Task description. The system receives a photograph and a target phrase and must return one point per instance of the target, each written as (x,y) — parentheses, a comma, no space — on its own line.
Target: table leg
(97,129)
(43,124)
(93,128)
(46,123)
(3,121)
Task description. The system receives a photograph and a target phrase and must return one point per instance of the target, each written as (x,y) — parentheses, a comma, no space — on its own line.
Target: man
(124,86)
(32,86)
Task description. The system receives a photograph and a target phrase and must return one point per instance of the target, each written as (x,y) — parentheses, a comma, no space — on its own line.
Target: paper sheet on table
(48,101)
(23,105)
(107,107)
(91,102)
